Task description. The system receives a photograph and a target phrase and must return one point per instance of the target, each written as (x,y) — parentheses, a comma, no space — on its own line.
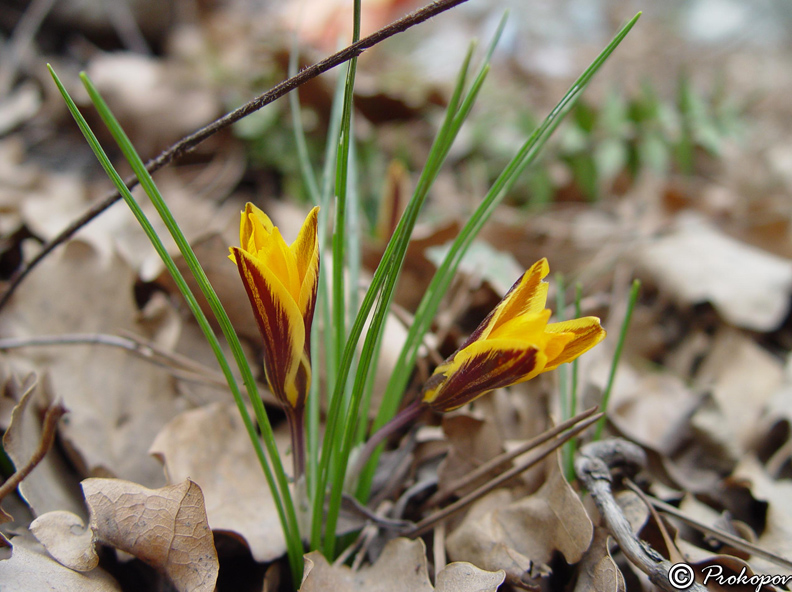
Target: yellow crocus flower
(281,282)
(513,344)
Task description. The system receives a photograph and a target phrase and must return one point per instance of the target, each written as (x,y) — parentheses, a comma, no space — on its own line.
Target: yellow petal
(276,255)
(480,368)
(586,333)
(306,254)
(527,296)
(254,224)
(529,327)
(306,247)
(281,326)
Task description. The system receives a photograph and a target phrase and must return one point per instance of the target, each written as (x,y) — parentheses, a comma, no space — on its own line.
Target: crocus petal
(528,327)
(281,326)
(279,259)
(306,253)
(513,344)
(527,296)
(253,225)
(479,368)
(586,333)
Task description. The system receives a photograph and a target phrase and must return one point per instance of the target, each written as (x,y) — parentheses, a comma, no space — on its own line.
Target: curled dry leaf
(474,441)
(116,403)
(402,566)
(66,538)
(777,535)
(749,287)
(237,496)
(165,527)
(51,485)
(30,568)
(742,377)
(520,535)
(461,576)
(597,572)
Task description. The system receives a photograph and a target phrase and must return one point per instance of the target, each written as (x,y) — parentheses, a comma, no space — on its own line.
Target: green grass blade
(571,447)
(291,530)
(306,168)
(445,273)
(385,278)
(182,286)
(633,298)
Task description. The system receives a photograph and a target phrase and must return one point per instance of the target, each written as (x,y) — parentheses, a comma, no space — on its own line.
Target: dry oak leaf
(31,569)
(749,287)
(523,534)
(164,527)
(597,572)
(66,538)
(400,568)
(51,486)
(236,493)
(116,403)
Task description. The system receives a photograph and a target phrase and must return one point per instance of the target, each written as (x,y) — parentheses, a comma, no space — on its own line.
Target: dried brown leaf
(474,440)
(402,567)
(531,528)
(116,403)
(30,568)
(749,287)
(597,572)
(51,486)
(777,535)
(237,496)
(742,377)
(164,527)
(461,576)
(652,409)
(66,538)
(156,102)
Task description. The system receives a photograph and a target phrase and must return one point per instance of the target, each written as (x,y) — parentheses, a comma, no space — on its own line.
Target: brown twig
(190,142)
(448,490)
(715,533)
(54,413)
(593,467)
(539,454)
(177,365)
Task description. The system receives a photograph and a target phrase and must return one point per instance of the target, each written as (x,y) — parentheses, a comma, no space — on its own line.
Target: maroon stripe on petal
(482,373)
(273,323)
(309,313)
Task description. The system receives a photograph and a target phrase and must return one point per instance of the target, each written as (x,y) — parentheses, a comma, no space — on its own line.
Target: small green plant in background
(603,147)
(293,302)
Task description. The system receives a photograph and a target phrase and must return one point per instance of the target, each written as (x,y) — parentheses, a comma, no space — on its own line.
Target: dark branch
(190,142)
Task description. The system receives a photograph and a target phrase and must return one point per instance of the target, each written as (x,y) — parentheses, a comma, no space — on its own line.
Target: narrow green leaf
(633,298)
(291,529)
(445,273)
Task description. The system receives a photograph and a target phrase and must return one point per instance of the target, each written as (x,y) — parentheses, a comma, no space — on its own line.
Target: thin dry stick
(592,466)
(179,366)
(448,490)
(54,413)
(717,533)
(427,523)
(438,548)
(190,142)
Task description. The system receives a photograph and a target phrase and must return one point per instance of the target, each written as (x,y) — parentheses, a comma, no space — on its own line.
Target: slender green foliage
(571,447)
(277,482)
(633,298)
(445,273)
